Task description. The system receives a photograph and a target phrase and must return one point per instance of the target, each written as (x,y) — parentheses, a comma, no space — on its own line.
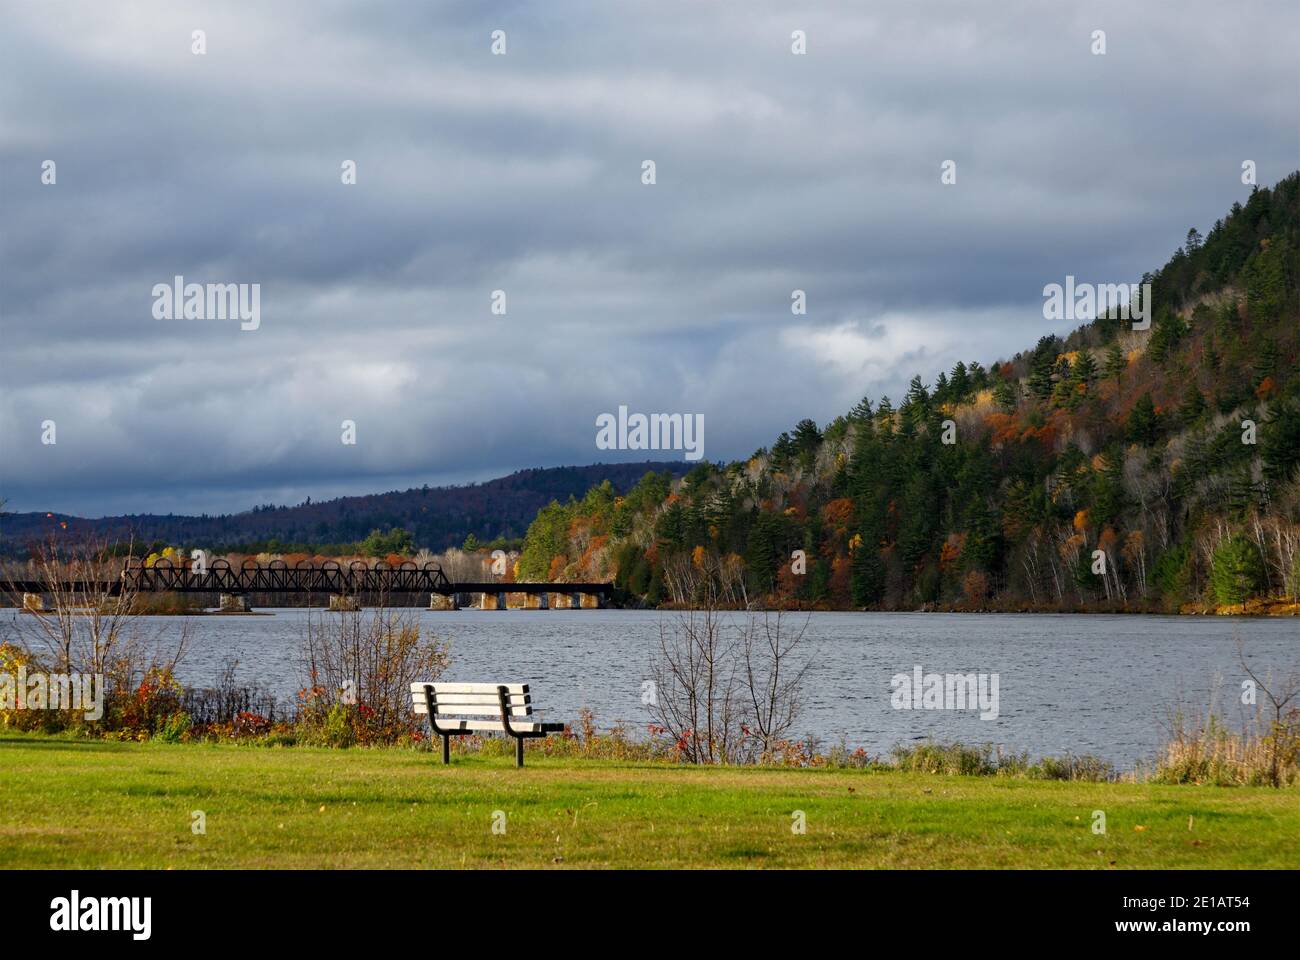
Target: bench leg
(446,748)
(519,751)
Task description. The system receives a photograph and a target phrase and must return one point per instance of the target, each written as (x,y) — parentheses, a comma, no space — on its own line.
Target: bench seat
(460,709)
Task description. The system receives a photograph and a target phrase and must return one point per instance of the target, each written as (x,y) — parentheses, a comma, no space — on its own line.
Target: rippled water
(1082,684)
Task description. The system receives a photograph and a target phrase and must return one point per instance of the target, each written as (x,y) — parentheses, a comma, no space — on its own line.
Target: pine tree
(861,411)
(1040,375)
(1143,422)
(1193,404)
(1237,570)
(960,384)
(867,572)
(1116,362)
(1004,394)
(1265,359)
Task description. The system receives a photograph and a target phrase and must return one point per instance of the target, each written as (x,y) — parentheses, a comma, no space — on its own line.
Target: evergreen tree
(1143,422)
(1004,395)
(1040,375)
(867,573)
(960,385)
(1116,362)
(1084,369)
(1266,359)
(861,412)
(1193,403)
(1237,572)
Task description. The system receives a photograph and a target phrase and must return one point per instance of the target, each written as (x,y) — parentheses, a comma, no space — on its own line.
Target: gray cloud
(521,173)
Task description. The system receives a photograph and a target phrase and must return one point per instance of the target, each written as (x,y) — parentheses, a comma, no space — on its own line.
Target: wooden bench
(454,708)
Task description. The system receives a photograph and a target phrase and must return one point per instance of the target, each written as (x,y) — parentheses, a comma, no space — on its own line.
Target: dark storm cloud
(521,173)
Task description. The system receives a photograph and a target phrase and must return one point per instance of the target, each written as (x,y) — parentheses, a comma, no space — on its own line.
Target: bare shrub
(373,656)
(725,691)
(93,624)
(697,698)
(771,679)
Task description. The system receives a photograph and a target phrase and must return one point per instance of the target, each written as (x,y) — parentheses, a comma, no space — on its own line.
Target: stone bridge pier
(233,603)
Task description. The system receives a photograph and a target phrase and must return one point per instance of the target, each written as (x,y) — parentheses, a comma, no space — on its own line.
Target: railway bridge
(345,585)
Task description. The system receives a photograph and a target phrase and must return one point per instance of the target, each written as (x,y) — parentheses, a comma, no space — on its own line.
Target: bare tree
(772,680)
(696,693)
(725,693)
(92,624)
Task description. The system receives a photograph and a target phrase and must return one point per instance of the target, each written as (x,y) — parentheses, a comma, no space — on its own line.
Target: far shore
(1262,607)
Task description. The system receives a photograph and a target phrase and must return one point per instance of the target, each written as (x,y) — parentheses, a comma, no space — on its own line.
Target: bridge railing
(278,577)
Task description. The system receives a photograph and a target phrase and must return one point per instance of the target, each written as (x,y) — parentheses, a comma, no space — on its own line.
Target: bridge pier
(535,601)
(439,601)
(34,602)
(233,603)
(493,601)
(344,603)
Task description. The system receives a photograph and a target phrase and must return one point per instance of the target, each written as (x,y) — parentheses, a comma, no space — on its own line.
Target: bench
(454,710)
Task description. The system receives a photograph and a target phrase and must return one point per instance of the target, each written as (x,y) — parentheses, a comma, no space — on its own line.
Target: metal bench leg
(430,704)
(503,697)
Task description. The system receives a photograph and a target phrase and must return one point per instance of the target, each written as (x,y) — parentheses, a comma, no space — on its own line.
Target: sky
(523,172)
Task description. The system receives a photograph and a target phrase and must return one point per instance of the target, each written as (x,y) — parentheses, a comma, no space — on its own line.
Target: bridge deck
(222,578)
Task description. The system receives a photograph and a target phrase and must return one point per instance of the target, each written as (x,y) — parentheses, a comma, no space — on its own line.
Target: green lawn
(81,804)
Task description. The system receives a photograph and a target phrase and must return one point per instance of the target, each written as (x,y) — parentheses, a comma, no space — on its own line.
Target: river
(1066,683)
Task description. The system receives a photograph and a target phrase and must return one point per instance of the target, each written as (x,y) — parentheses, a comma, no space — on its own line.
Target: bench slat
(441,688)
(471,698)
(483,709)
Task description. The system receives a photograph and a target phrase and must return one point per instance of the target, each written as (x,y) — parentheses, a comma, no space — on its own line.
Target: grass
(88,803)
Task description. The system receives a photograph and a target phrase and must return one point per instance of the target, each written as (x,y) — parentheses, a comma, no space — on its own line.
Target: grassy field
(83,804)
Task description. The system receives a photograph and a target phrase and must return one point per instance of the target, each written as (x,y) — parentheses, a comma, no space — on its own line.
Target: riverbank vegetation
(1114,469)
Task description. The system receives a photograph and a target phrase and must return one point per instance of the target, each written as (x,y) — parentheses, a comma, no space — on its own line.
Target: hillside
(1112,469)
(437,517)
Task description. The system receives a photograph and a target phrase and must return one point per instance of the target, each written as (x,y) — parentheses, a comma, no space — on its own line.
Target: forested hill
(437,517)
(1115,468)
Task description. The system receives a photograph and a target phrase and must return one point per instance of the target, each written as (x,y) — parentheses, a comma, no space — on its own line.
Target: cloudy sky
(523,173)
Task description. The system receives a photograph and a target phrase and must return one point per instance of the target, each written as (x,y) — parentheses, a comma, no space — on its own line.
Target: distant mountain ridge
(437,517)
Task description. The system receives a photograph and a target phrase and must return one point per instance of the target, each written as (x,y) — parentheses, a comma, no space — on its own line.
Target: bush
(338,730)
(954,759)
(1086,768)
(173,728)
(365,660)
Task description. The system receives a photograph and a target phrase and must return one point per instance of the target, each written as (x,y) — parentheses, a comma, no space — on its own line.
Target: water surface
(1067,683)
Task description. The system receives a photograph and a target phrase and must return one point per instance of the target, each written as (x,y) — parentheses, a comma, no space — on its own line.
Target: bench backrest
(480,699)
